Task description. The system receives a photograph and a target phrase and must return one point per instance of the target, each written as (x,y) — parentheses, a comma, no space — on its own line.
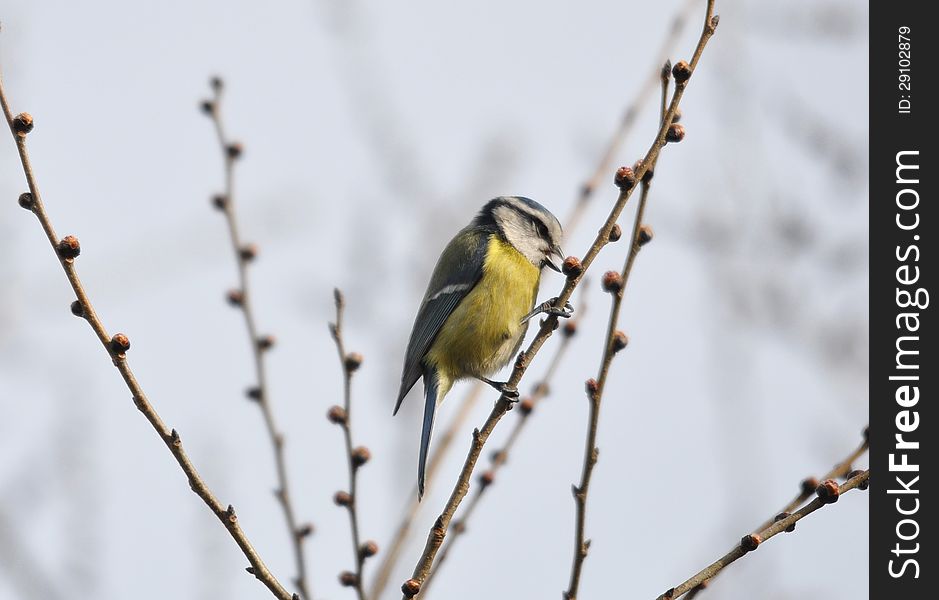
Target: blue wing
(458,270)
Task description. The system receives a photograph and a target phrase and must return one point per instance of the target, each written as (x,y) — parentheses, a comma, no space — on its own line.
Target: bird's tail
(433,393)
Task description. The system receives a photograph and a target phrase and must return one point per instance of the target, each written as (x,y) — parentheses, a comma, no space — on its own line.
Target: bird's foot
(503,387)
(549,308)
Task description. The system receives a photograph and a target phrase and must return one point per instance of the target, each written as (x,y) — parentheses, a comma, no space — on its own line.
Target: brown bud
(526,406)
(808,485)
(780,517)
(411,588)
(625,179)
(22,124)
(348,579)
(336,415)
(675,134)
(234,150)
(592,387)
(305,530)
(360,456)
(207,106)
(235,297)
(216,83)
(645,234)
(570,328)
(342,498)
(254,393)
(77,309)
(459,527)
(749,543)
(230,511)
(615,233)
(572,267)
(248,252)
(866,433)
(677,116)
(612,282)
(681,71)
(120,343)
(266,342)
(620,341)
(369,548)
(353,361)
(219,201)
(486,478)
(68,248)
(26,201)
(828,491)
(666,70)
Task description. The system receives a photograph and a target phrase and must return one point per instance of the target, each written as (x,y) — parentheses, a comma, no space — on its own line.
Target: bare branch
(244,254)
(809,484)
(355,456)
(615,284)
(828,493)
(67,250)
(807,488)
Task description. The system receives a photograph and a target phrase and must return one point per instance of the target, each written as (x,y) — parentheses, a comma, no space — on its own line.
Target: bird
(474,315)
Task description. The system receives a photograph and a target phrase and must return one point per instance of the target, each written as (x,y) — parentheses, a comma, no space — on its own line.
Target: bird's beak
(550,263)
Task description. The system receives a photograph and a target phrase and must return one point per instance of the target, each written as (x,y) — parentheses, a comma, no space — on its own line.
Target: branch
(67,250)
(241,298)
(356,457)
(615,284)
(828,493)
(807,488)
(575,270)
(808,485)
(500,457)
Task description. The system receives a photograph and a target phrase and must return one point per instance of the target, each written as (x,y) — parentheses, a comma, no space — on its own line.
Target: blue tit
(474,316)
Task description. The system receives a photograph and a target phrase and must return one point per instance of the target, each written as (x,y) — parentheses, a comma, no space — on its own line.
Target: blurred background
(372,132)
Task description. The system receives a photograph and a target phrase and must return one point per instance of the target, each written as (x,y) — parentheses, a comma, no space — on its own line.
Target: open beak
(552,264)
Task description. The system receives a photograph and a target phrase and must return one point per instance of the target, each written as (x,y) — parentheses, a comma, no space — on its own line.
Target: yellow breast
(485,329)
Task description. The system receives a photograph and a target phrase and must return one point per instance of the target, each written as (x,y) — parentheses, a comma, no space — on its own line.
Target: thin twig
(443,444)
(439,529)
(614,342)
(808,485)
(66,251)
(807,489)
(828,493)
(242,298)
(500,457)
(355,456)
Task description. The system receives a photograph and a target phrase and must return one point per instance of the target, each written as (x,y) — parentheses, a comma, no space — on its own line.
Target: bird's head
(528,226)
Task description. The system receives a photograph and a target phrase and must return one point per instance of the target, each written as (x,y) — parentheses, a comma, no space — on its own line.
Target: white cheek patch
(517,230)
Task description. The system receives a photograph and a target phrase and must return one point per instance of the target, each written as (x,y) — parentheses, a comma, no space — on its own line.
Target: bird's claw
(549,308)
(509,392)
